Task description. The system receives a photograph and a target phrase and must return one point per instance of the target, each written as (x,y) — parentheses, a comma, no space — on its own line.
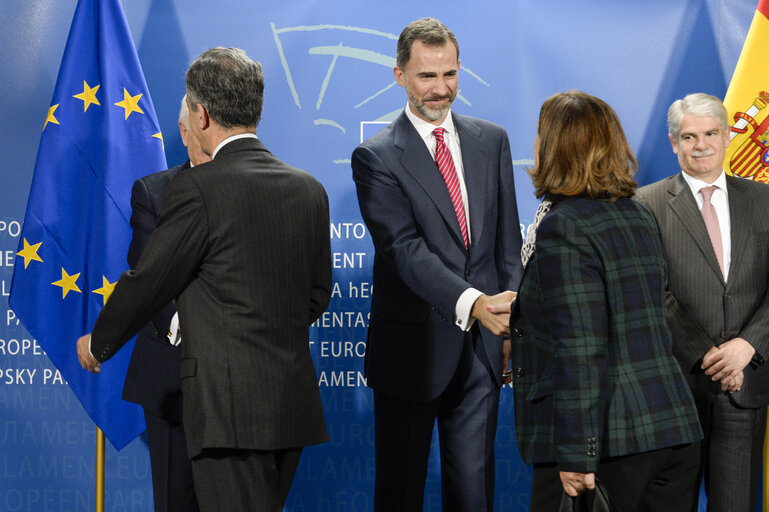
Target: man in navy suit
(153,379)
(436,192)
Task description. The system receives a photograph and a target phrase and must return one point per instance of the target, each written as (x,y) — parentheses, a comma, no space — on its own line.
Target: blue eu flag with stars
(100,135)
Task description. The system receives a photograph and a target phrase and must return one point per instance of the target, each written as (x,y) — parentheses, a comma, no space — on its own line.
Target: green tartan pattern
(595,375)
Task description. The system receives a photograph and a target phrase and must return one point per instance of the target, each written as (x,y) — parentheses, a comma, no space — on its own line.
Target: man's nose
(441,87)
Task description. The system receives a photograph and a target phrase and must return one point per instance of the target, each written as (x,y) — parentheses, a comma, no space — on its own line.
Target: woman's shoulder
(597,214)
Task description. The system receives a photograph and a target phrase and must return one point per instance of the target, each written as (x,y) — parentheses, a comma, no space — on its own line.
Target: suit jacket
(594,373)
(152,379)
(703,310)
(243,242)
(421,265)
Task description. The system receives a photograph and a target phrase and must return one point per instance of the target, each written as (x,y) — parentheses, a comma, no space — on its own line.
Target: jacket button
(723,335)
(519,372)
(517,332)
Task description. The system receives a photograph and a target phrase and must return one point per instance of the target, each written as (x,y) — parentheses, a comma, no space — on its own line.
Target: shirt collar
(425,129)
(230,139)
(696,184)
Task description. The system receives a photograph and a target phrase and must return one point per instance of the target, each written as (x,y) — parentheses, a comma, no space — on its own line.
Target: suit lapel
(682,202)
(740,213)
(473,156)
(418,162)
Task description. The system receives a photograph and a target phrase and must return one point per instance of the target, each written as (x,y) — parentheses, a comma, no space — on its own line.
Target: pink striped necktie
(449,173)
(710,217)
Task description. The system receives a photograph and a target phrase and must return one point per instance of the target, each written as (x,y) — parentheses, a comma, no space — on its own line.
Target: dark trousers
(731,453)
(233,480)
(661,480)
(467,421)
(172,485)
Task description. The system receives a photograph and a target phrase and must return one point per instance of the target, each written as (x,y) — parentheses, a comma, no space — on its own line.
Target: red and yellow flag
(747,100)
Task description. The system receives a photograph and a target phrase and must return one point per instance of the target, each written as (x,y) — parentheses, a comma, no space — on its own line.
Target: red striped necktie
(449,173)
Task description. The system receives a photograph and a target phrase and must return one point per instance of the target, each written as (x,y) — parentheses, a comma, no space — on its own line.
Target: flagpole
(99,470)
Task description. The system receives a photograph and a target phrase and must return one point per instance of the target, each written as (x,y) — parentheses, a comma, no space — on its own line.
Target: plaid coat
(591,352)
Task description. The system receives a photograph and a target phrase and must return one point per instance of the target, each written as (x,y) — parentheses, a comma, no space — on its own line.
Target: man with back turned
(152,379)
(250,279)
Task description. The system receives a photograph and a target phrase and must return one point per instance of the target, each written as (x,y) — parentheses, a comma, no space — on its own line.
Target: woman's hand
(576,483)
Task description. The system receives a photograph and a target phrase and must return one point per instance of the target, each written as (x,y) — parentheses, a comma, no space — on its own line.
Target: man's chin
(433,114)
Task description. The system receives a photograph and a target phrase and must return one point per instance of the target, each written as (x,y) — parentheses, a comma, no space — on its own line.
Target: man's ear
(202,116)
(183,132)
(398,73)
(673,143)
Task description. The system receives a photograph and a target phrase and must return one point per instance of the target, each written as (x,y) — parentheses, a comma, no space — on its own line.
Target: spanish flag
(746,101)
(748,153)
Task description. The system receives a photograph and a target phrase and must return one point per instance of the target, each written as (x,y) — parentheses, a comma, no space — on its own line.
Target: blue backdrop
(329,82)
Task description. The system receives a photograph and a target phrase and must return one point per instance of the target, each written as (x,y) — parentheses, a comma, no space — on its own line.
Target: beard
(431,113)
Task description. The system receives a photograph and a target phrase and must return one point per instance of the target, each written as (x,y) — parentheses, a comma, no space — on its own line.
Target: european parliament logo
(354,66)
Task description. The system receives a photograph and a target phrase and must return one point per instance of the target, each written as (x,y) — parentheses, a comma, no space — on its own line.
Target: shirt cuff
(464,307)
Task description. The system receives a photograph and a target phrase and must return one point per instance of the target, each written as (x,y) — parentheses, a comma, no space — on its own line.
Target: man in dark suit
(436,192)
(249,278)
(715,231)
(152,379)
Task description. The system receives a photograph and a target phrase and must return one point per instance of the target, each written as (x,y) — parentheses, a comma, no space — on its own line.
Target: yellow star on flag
(106,289)
(67,282)
(50,118)
(130,103)
(159,135)
(29,253)
(88,96)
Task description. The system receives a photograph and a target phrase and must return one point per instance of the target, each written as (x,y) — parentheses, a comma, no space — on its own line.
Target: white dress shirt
(720,201)
(464,305)
(230,139)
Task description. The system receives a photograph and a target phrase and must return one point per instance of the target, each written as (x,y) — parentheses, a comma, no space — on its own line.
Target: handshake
(494,313)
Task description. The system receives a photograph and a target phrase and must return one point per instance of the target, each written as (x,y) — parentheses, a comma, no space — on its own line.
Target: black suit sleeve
(142,221)
(320,294)
(144,212)
(173,253)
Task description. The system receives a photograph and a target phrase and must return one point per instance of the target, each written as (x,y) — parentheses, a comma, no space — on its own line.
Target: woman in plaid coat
(597,390)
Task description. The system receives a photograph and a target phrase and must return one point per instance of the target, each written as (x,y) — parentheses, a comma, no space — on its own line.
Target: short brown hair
(582,150)
(428,30)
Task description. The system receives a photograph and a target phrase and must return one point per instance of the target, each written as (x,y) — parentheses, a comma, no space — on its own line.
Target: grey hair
(697,104)
(428,30)
(184,113)
(229,84)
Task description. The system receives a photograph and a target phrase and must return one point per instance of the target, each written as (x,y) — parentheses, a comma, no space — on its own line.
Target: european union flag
(99,136)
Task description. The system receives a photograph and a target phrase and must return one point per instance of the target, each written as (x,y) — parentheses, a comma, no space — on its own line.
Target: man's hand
(732,382)
(727,359)
(87,361)
(494,311)
(576,483)
(507,373)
